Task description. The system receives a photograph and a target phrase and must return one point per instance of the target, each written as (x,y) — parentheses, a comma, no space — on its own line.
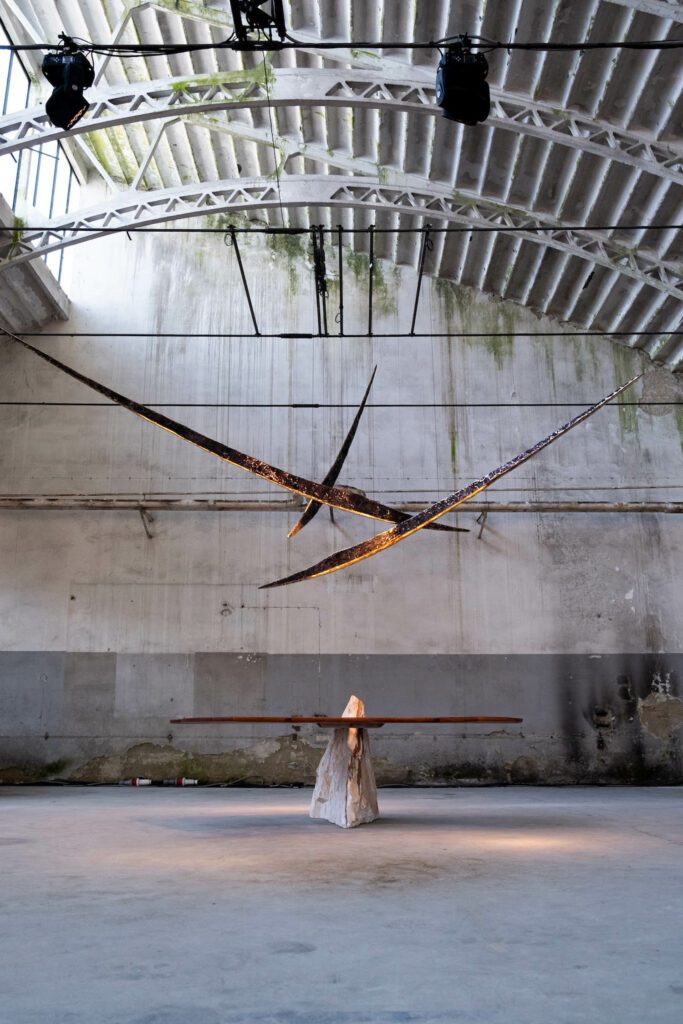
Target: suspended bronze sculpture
(340,498)
(372,546)
(333,473)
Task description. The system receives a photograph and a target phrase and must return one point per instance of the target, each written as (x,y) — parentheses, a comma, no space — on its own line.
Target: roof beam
(311,87)
(131,209)
(670,9)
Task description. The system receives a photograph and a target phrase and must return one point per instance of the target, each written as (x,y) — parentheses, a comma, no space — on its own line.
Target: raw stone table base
(345,790)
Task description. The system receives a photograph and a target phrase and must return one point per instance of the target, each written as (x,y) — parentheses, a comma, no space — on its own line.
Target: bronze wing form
(330,479)
(367,548)
(339,498)
(333,473)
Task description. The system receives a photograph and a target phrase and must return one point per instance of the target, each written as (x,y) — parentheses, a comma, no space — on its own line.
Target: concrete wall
(571,620)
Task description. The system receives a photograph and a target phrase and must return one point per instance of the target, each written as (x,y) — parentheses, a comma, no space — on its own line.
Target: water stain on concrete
(661,714)
(660,385)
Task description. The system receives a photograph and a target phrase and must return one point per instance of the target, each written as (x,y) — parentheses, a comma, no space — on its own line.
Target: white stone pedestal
(345,791)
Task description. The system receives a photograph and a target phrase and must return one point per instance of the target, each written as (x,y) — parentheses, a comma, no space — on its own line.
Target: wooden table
(345,790)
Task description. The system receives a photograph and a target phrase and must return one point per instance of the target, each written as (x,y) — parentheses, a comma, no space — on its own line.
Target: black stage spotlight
(70,72)
(462,91)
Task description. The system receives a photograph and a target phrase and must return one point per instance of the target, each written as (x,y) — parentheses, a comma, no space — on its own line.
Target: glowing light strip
(372,546)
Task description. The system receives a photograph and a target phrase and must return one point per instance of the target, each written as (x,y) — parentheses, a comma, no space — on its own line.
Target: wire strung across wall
(340,405)
(320,236)
(302,335)
(478,43)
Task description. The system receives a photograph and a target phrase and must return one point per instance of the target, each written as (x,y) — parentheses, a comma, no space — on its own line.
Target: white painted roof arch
(592,138)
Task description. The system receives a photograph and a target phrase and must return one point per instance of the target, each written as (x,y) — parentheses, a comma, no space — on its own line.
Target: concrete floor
(229,906)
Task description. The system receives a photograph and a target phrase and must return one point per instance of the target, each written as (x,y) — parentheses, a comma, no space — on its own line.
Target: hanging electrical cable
(478,44)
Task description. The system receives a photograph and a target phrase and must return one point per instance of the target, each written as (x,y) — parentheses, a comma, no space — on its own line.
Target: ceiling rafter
(143,101)
(577,138)
(671,10)
(132,209)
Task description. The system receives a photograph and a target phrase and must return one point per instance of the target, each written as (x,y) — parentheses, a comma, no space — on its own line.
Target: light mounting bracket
(255,26)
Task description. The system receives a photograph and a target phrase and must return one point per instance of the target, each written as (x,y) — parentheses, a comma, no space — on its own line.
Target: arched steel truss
(167,98)
(429,202)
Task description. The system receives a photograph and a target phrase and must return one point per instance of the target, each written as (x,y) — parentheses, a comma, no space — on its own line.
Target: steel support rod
(371,231)
(426,244)
(340,232)
(323,277)
(320,276)
(233,238)
(316,273)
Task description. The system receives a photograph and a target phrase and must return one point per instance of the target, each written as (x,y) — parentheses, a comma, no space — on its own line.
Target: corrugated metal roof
(574,138)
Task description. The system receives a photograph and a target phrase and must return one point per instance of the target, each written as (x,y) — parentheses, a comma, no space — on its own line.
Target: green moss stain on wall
(678,417)
(502,322)
(98,144)
(111,145)
(128,165)
(453,437)
(356,54)
(234,219)
(626,365)
(294,250)
(112,150)
(383,296)
(18,229)
(457,303)
(548,347)
(358,263)
(450,299)
(261,74)
(452,411)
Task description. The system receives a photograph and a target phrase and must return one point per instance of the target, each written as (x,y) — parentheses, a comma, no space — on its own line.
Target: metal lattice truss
(352,137)
(300,191)
(171,98)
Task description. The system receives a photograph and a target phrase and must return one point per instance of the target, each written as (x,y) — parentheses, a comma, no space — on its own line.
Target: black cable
(486,45)
(339,405)
(261,45)
(294,335)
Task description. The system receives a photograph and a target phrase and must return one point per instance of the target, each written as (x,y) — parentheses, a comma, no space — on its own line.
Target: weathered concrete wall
(103,717)
(570,620)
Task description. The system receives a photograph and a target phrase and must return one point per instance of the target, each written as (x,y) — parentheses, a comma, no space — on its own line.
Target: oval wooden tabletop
(326,722)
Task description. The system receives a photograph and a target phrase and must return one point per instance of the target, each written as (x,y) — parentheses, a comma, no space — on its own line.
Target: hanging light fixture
(462,91)
(70,72)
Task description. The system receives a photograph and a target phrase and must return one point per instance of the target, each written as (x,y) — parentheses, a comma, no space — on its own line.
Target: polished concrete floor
(230,906)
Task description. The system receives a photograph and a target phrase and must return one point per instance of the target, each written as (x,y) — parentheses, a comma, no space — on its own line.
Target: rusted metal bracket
(147,521)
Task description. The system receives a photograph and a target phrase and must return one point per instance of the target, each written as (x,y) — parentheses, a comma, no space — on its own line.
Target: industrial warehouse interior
(284,285)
